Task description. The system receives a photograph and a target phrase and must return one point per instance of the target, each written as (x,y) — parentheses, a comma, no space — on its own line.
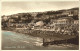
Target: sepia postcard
(40,25)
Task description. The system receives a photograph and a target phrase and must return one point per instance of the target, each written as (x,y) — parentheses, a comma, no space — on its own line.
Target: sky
(9,8)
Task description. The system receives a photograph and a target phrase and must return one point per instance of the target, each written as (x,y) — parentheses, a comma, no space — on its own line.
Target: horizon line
(40,11)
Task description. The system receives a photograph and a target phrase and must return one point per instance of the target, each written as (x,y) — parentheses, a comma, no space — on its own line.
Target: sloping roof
(67,18)
(40,23)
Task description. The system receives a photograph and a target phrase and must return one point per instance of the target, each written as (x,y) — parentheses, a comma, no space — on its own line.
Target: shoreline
(40,33)
(50,40)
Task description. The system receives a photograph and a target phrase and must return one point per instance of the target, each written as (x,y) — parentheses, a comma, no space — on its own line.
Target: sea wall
(47,34)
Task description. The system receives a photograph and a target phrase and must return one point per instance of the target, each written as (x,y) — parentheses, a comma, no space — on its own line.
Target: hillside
(47,16)
(44,16)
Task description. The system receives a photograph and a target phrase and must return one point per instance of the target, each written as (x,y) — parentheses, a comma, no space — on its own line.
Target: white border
(36,0)
(40,0)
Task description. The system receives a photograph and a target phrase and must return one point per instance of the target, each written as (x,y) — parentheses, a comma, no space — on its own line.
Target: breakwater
(65,41)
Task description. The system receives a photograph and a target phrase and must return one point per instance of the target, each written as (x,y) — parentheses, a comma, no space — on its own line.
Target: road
(17,41)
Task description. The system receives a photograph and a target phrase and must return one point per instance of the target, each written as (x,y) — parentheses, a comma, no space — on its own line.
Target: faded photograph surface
(40,25)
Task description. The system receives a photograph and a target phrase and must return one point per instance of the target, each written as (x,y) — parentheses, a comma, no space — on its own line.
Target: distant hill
(44,16)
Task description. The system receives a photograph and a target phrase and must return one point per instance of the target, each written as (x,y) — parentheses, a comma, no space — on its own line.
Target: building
(39,23)
(61,23)
(76,21)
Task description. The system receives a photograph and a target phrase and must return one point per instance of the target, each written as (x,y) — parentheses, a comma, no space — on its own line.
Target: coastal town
(52,25)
